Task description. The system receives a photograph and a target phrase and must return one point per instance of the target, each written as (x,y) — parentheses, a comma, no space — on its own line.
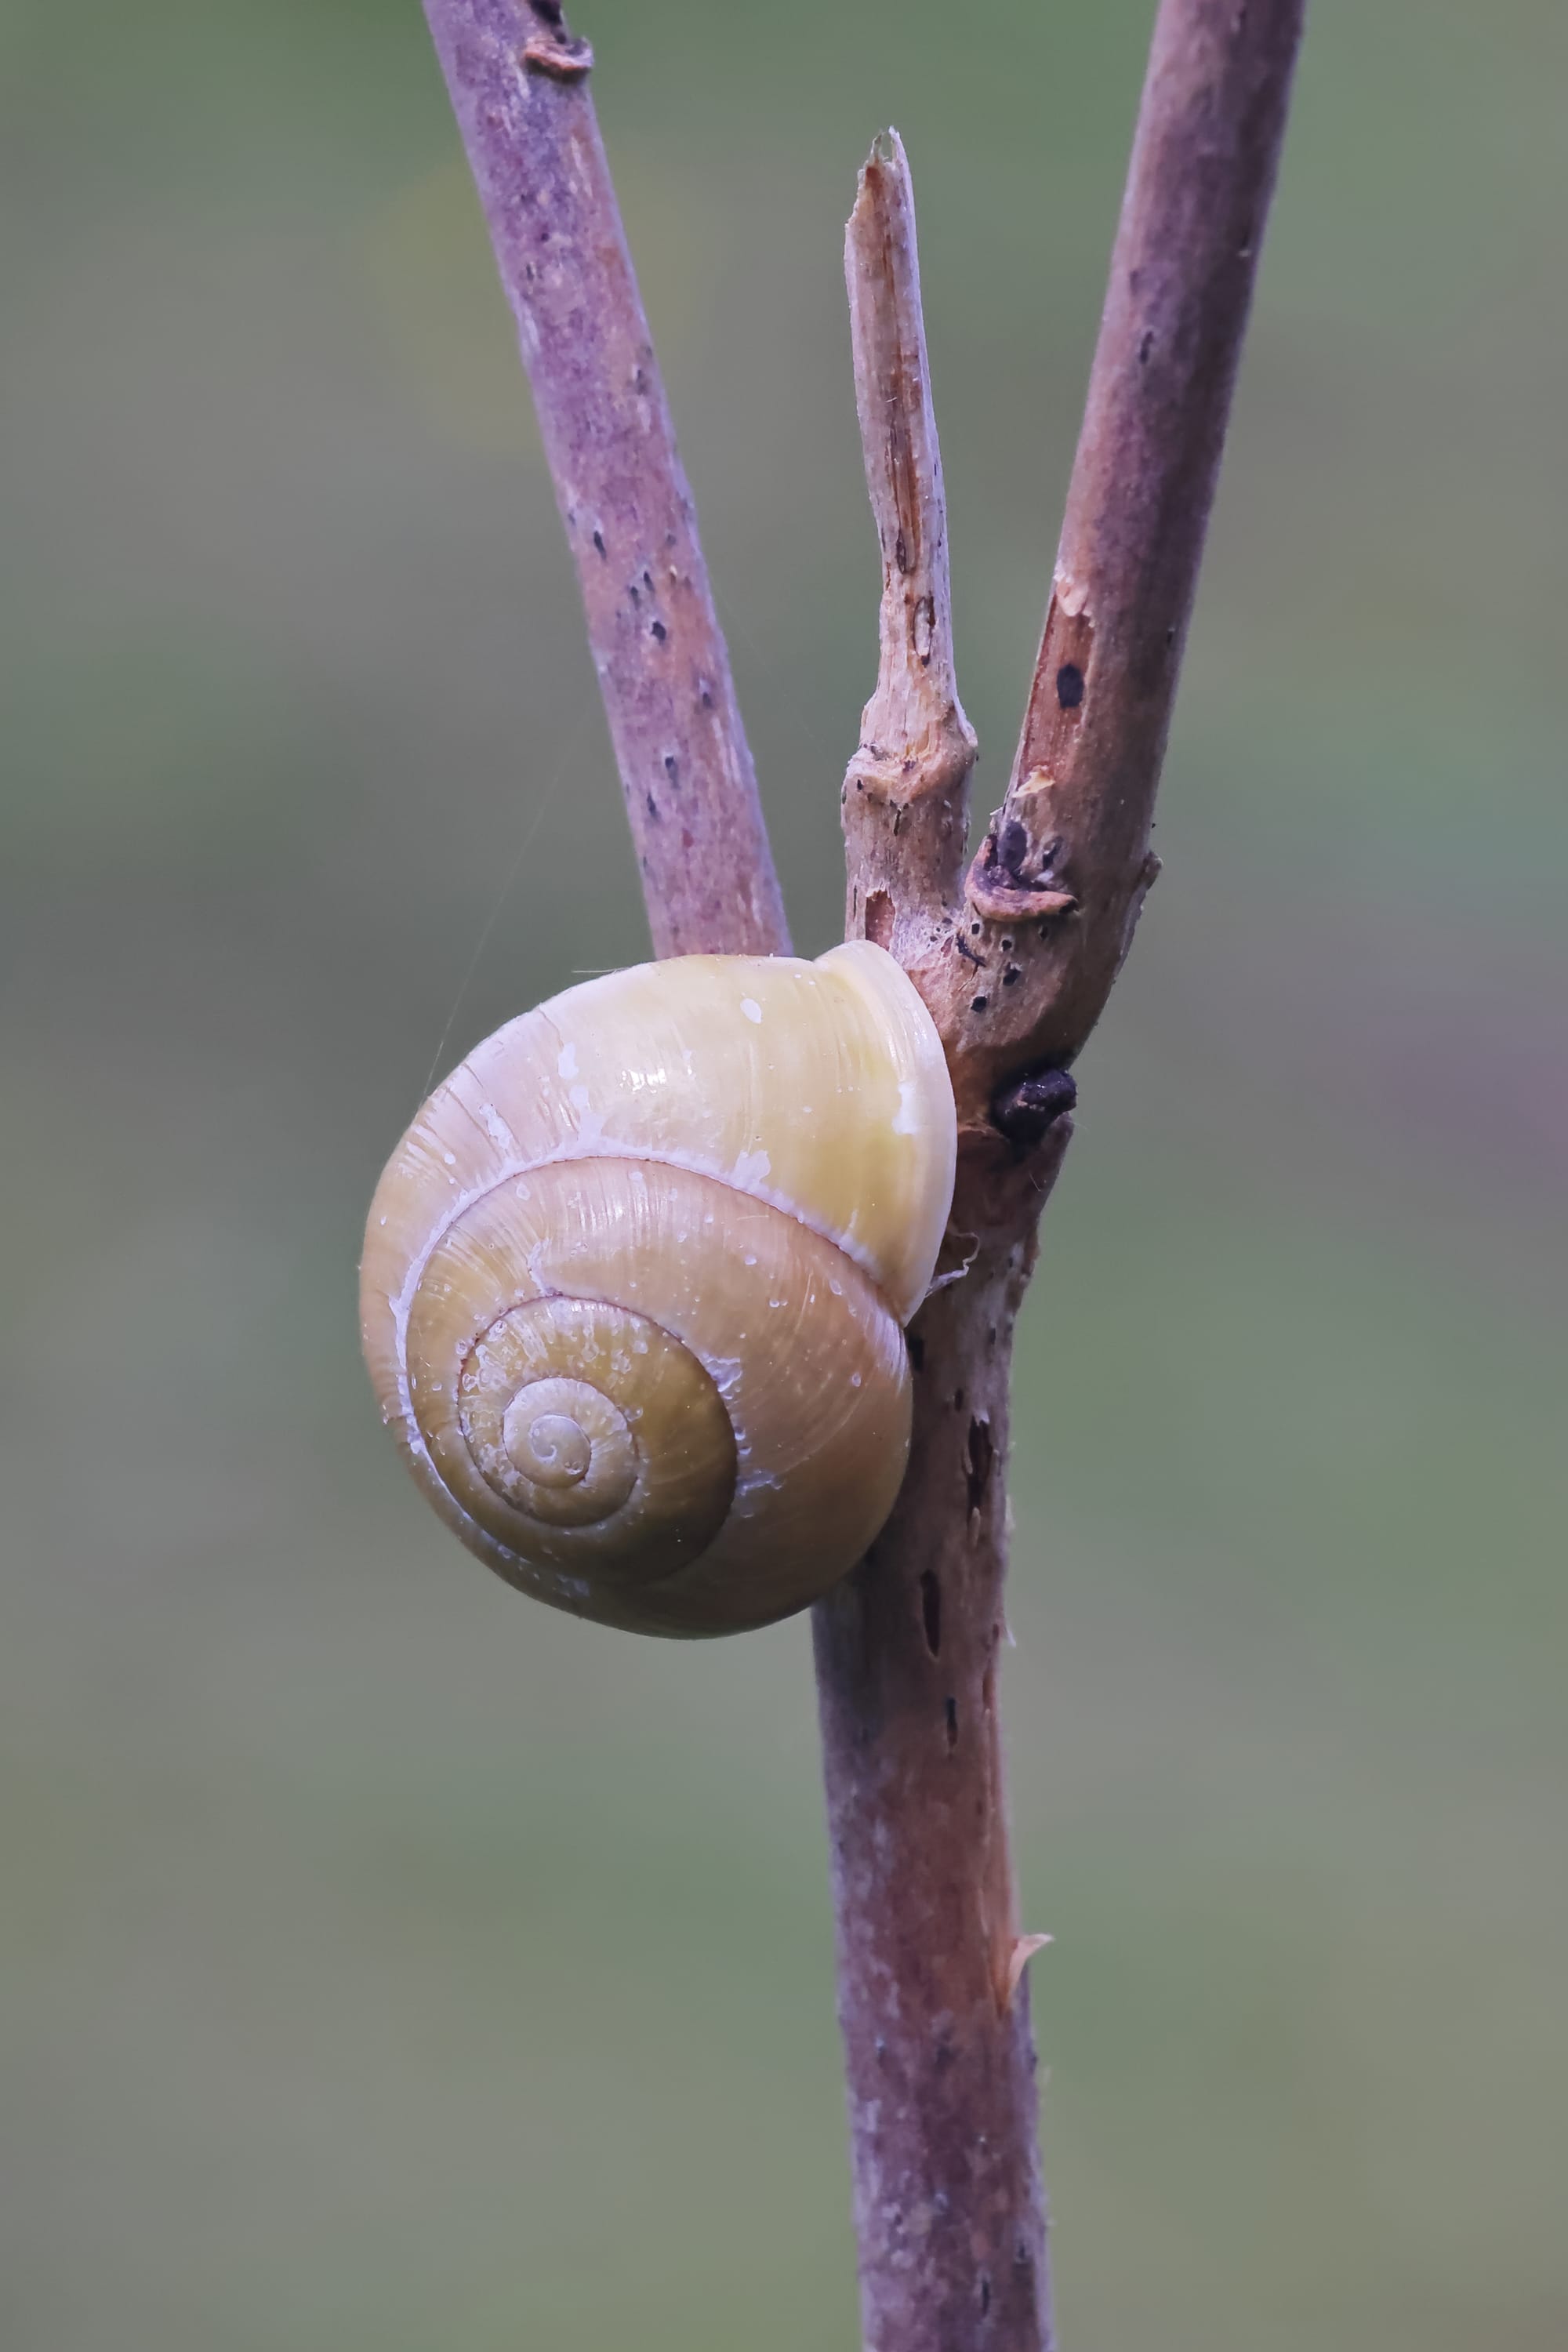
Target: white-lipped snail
(636,1282)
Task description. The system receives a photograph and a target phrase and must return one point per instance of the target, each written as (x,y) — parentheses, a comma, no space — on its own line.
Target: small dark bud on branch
(1023,1110)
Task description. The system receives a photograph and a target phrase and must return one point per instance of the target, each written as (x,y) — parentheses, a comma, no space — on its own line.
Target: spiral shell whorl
(601,1431)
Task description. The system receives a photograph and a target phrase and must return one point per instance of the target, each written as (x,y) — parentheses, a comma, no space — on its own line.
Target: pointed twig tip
(887,155)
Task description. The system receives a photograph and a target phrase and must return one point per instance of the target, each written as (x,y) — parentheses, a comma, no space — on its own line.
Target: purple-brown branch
(1077,818)
(1015,960)
(939,2063)
(518,82)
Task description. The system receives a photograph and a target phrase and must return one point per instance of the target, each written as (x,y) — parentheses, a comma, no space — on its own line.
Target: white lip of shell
(402,1305)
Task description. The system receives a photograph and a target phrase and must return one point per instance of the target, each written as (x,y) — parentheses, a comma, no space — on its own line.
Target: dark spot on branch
(599,541)
(980,1456)
(900,553)
(1145,346)
(1025,1109)
(704,694)
(671,766)
(555,51)
(1052,721)
(1010,975)
(634,592)
(647,582)
(879,918)
(1013,847)
(978,1003)
(931,1611)
(949,1717)
(652,805)
(985,2294)
(656,629)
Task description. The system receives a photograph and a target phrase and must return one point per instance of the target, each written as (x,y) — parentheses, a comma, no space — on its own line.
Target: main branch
(1015,960)
(949,2207)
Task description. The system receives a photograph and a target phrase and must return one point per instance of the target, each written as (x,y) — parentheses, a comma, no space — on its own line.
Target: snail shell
(636,1279)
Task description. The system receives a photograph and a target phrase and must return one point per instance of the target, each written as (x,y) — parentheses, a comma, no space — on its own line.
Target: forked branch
(1014,960)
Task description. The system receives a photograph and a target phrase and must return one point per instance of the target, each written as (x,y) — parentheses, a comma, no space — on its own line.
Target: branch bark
(518,81)
(1014,958)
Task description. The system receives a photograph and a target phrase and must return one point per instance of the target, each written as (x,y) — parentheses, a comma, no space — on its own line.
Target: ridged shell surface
(635,1279)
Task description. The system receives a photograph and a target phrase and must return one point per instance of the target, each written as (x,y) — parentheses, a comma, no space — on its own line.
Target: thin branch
(1067,861)
(518,84)
(908,780)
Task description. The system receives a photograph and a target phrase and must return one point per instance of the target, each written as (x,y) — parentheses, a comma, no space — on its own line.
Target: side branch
(906,793)
(518,84)
(1066,863)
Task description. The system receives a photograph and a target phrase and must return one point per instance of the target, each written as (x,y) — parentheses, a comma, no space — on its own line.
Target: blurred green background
(390,1964)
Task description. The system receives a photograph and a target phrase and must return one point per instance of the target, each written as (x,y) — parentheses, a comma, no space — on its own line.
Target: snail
(636,1282)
